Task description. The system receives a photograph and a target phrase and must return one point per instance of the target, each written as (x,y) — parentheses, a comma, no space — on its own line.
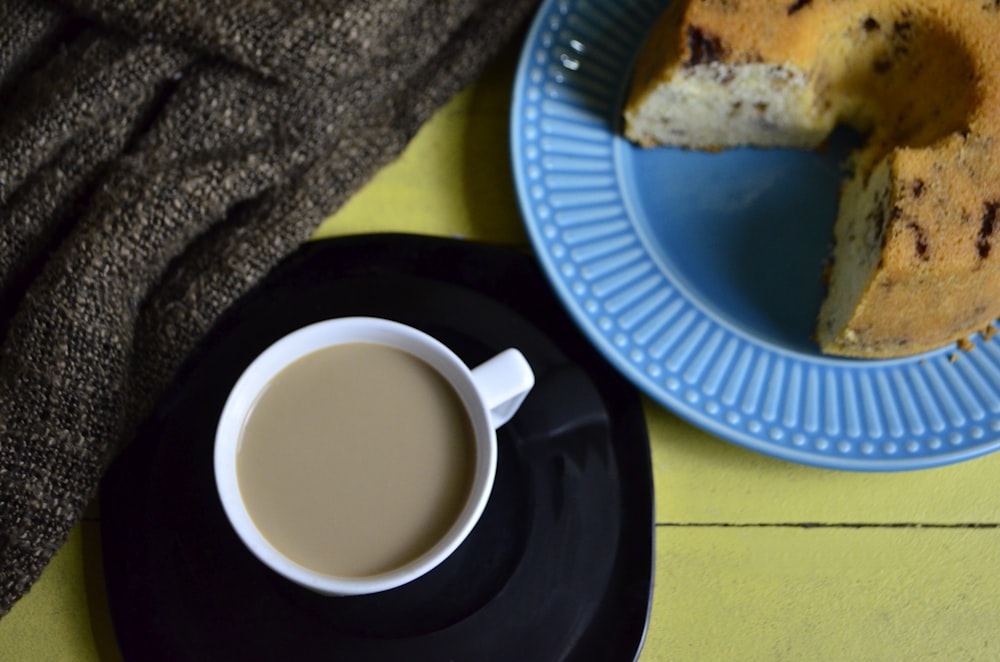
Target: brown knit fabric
(157,159)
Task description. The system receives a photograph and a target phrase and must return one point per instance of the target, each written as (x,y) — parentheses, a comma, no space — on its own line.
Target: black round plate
(560,565)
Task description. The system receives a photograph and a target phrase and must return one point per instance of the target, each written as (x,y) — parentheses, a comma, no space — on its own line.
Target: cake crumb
(966,345)
(989,332)
(952,358)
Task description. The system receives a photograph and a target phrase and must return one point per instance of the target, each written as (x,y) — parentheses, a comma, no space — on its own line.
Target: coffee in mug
(355,454)
(355,459)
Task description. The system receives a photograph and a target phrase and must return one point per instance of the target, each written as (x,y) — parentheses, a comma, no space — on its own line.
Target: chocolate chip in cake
(703,46)
(917,188)
(723,74)
(991,218)
(799,4)
(882,64)
(903,28)
(902,33)
(870,25)
(920,241)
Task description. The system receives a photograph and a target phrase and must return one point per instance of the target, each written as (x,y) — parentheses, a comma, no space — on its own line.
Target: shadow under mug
(491,394)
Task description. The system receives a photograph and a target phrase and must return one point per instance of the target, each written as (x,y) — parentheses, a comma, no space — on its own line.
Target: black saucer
(560,565)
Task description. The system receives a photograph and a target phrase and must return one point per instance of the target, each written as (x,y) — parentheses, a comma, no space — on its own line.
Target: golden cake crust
(921,80)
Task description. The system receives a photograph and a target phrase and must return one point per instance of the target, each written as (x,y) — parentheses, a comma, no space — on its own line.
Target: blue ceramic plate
(699,275)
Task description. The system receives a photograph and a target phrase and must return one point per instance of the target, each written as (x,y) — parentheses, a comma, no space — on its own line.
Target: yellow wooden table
(756,558)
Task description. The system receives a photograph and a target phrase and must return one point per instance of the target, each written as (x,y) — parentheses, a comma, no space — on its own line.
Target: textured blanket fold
(156,160)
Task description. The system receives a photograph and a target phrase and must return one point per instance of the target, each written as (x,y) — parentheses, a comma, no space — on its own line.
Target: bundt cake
(915,263)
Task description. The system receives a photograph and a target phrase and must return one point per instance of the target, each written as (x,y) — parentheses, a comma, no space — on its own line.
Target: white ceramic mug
(491,394)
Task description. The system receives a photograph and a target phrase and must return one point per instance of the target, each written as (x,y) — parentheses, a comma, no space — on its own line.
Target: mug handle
(503,382)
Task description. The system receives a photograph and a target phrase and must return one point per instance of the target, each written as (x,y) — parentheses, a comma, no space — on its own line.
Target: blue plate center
(746,231)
